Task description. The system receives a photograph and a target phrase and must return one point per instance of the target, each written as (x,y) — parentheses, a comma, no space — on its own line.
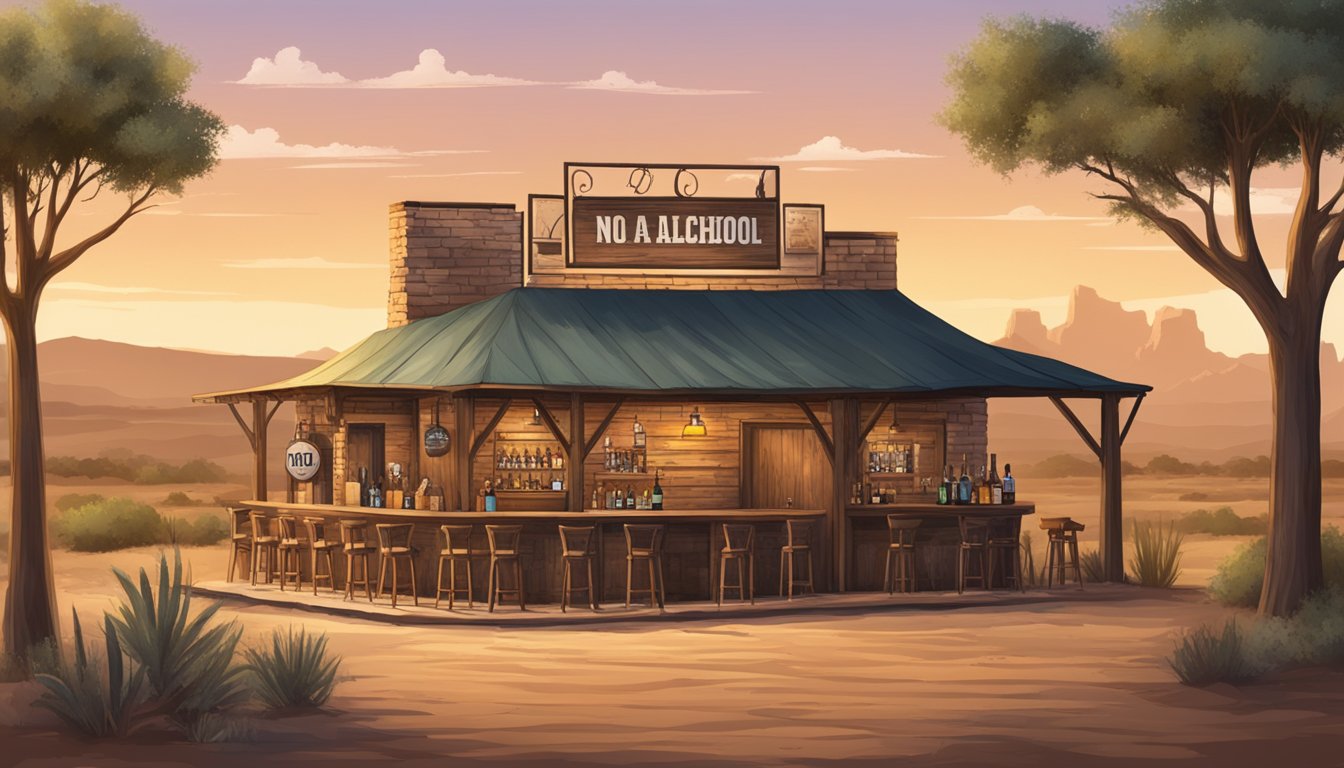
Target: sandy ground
(1078,684)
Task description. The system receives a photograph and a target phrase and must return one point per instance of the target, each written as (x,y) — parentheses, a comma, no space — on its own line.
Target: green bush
(137,469)
(1221,522)
(1242,574)
(109,524)
(205,531)
(294,671)
(71,500)
(92,703)
(1157,554)
(1204,657)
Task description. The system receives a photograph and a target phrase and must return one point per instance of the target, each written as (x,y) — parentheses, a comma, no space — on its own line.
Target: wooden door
(783,461)
(364,448)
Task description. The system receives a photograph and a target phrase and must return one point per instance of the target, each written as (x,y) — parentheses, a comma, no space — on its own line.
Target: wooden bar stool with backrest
(576,547)
(798,542)
(1005,549)
(739,546)
(240,539)
(1061,549)
(456,549)
(358,551)
(394,547)
(264,541)
(974,543)
(901,533)
(645,542)
(320,549)
(504,543)
(289,547)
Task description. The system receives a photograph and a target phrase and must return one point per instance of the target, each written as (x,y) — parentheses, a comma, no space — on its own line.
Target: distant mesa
(322,355)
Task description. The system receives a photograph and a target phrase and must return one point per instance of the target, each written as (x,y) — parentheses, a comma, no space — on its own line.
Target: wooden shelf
(894,475)
(611,475)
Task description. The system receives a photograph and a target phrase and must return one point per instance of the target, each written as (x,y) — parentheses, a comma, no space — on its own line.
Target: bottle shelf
(617,475)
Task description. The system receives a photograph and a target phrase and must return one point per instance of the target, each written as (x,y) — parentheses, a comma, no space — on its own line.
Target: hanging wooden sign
(675,233)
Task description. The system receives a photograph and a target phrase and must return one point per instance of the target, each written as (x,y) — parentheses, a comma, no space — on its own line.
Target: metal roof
(693,341)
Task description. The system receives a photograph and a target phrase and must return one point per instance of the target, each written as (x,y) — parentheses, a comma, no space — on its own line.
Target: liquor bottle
(647,500)
(1009,485)
(558,459)
(943,489)
(995,484)
(640,437)
(658,492)
(514,461)
(491,503)
(981,492)
(557,483)
(539,458)
(547,461)
(875,495)
(500,459)
(619,501)
(608,458)
(597,496)
(363,486)
(629,497)
(964,484)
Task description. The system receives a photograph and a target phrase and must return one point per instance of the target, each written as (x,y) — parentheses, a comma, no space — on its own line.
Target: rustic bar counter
(692,539)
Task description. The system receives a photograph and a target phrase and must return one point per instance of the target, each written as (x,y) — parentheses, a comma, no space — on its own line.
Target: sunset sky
(339,108)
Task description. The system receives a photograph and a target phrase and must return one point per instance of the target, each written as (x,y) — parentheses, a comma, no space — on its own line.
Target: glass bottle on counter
(658,492)
(597,497)
(964,484)
(491,502)
(1009,485)
(618,501)
(547,459)
(943,496)
(995,484)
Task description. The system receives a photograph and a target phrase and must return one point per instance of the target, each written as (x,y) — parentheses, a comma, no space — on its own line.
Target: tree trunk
(30,600)
(1293,562)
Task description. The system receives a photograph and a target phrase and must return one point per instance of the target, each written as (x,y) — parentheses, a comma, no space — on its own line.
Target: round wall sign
(437,441)
(302,460)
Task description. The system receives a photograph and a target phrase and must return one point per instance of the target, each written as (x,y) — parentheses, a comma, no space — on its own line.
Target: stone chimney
(447,255)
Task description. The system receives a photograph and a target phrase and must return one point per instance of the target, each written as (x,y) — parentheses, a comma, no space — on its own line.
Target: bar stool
(264,541)
(645,542)
(358,550)
(456,549)
(394,545)
(1061,549)
(1006,550)
(901,552)
(739,545)
(974,543)
(289,547)
(576,546)
(504,541)
(799,542)
(240,539)
(319,547)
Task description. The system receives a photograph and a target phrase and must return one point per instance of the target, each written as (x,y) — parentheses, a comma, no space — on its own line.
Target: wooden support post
(464,421)
(1112,498)
(575,455)
(260,421)
(844,427)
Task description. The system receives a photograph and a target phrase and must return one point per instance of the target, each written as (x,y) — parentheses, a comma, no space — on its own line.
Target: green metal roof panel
(715,341)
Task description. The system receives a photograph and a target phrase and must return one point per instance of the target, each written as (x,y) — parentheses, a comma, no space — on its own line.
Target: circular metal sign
(302,460)
(437,441)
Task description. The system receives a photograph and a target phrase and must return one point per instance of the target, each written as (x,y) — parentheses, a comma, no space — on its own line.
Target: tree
(88,102)
(1176,102)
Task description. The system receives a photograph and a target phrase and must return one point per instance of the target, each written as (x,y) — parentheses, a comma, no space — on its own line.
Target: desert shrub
(1241,575)
(1065,465)
(188,662)
(1165,464)
(1157,554)
(1244,467)
(108,524)
(1204,656)
(1221,522)
(89,701)
(1313,635)
(137,469)
(1089,563)
(72,500)
(180,499)
(294,671)
(203,532)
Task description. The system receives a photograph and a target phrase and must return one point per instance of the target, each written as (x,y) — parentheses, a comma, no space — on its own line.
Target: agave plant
(295,671)
(1157,554)
(1090,564)
(187,662)
(79,694)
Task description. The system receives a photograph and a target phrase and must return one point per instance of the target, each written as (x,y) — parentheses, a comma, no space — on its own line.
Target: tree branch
(60,261)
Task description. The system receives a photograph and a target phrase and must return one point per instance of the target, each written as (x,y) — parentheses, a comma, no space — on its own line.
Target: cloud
(125,290)
(832,149)
(1265,201)
(1021,213)
(823,169)
(265,143)
(372,164)
(742,177)
(452,175)
(308,262)
(431,71)
(289,69)
(1132,248)
(615,80)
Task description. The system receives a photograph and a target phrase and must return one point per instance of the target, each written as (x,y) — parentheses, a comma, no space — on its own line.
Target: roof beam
(1077,426)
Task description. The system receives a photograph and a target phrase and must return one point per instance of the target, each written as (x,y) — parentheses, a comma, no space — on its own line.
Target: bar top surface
(683,515)
(938,510)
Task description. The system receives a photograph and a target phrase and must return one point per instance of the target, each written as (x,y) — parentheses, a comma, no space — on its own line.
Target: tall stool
(321,548)
(240,539)
(264,541)
(289,547)
(394,546)
(799,542)
(739,545)
(456,549)
(1005,550)
(504,541)
(900,553)
(576,547)
(1061,549)
(358,551)
(974,544)
(645,542)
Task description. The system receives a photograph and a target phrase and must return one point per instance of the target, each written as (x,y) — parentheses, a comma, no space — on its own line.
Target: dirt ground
(1078,684)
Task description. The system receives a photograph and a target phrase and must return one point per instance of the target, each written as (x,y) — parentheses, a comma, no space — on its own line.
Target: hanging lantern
(437,440)
(696,426)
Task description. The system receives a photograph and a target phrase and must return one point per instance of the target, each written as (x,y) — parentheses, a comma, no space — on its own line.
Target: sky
(337,109)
